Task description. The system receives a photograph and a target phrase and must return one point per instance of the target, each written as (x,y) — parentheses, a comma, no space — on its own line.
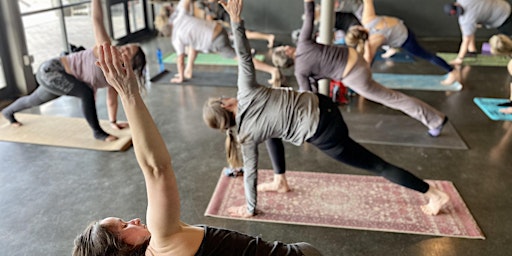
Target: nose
(135,221)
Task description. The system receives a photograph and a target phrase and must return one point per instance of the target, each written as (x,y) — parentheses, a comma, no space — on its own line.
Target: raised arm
(306,32)
(246,71)
(368,12)
(100,33)
(163,212)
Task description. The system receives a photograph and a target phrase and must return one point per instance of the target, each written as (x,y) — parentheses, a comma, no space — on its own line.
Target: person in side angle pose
(259,113)
(165,233)
(386,30)
(502,45)
(76,75)
(188,31)
(472,14)
(314,61)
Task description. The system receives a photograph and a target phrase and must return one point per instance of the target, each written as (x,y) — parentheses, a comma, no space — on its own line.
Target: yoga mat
(205,78)
(479,60)
(399,130)
(210,59)
(348,201)
(415,82)
(62,132)
(400,56)
(488,106)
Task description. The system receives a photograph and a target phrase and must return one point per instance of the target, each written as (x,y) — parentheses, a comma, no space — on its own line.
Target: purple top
(314,61)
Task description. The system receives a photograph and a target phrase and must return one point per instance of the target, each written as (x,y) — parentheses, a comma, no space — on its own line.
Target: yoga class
(255,127)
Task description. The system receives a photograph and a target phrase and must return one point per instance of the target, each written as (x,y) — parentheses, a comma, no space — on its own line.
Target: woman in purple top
(260,114)
(377,31)
(76,75)
(314,61)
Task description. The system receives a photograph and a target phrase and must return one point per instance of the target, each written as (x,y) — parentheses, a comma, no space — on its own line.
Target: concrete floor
(49,194)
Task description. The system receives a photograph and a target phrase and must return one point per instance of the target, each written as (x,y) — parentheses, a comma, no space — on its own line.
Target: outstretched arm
(368,12)
(306,32)
(246,72)
(163,212)
(100,33)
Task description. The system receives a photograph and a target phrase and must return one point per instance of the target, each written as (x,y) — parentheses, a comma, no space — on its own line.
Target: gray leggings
(53,83)
(360,80)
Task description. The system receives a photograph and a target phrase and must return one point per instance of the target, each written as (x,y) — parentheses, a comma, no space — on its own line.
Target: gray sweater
(265,113)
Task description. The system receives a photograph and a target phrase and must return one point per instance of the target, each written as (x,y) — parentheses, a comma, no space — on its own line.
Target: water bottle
(159,57)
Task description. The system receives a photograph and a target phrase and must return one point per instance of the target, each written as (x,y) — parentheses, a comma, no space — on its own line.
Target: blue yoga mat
(415,82)
(490,108)
(400,56)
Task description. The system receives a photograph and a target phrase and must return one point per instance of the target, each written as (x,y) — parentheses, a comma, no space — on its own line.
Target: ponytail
(356,37)
(232,150)
(216,117)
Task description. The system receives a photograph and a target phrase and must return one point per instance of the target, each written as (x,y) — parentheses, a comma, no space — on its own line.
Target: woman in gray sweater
(260,113)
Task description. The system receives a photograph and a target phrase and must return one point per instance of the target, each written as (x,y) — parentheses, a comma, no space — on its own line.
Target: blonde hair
(162,21)
(217,117)
(356,37)
(501,45)
(280,59)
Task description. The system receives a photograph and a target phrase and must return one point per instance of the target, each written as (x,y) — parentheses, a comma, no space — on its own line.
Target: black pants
(506,27)
(333,139)
(54,82)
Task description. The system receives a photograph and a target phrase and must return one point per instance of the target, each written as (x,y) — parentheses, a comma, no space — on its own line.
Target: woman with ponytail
(261,114)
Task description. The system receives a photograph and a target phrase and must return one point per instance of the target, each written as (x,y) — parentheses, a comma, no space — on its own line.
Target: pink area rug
(348,201)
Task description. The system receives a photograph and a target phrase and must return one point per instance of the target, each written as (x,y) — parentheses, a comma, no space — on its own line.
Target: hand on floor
(239,211)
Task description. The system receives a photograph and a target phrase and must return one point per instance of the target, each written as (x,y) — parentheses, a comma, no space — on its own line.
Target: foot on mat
(436,131)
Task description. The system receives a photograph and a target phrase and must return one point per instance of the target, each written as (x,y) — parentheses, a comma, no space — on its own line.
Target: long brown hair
(99,240)
(356,37)
(217,117)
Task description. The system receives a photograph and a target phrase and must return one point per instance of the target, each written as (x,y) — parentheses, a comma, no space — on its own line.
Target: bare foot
(389,53)
(506,110)
(270,41)
(436,200)
(111,138)
(451,78)
(188,74)
(279,184)
(16,124)
(239,211)
(276,79)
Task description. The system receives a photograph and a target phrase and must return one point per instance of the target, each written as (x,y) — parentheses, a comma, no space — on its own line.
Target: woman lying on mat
(165,233)
(198,34)
(76,75)
(502,45)
(385,30)
(260,113)
(315,61)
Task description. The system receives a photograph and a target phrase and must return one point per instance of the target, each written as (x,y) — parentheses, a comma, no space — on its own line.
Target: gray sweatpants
(360,80)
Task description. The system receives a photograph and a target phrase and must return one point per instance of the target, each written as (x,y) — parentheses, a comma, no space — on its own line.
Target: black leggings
(54,82)
(412,46)
(332,138)
(275,149)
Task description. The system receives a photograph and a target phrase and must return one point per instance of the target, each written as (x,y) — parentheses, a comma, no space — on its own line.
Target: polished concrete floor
(49,194)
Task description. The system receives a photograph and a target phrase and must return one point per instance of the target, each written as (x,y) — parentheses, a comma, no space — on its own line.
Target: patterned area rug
(348,201)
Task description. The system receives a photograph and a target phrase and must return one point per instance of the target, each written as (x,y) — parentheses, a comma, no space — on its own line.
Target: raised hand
(234,8)
(117,70)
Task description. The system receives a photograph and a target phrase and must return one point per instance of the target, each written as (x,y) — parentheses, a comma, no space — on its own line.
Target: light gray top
(395,35)
(265,113)
(489,13)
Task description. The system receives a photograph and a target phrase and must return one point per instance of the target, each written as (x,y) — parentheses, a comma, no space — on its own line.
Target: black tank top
(225,242)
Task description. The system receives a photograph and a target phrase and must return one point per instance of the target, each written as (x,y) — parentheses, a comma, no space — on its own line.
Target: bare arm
(306,32)
(368,12)
(100,33)
(463,49)
(163,212)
